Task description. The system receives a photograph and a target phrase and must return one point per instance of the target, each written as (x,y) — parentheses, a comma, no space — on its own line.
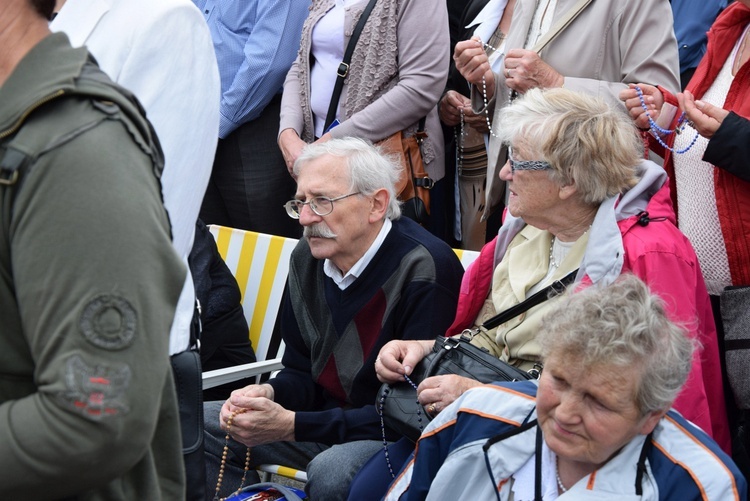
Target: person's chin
(318,246)
(512,200)
(560,446)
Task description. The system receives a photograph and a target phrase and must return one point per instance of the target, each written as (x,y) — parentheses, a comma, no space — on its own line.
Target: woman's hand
(291,146)
(398,357)
(437,392)
(651,96)
(525,70)
(706,117)
(472,63)
(450,107)
(477,121)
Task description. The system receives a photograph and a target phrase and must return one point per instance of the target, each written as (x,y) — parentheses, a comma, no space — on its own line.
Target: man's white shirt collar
(344,281)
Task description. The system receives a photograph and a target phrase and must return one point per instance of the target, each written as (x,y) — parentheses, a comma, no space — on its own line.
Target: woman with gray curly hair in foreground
(598,426)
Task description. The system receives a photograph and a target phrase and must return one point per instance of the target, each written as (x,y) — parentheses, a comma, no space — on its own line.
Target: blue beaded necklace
(381,404)
(657,131)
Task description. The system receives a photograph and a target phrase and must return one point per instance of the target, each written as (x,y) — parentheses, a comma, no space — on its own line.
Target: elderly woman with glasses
(582,201)
(598,426)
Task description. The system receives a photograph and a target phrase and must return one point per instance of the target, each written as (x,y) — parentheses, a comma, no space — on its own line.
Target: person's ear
(568,190)
(650,421)
(379,207)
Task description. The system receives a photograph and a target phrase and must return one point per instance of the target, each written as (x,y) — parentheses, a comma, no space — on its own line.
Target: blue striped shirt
(256,42)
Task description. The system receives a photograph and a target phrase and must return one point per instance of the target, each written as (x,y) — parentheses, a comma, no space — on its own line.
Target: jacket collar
(78,18)
(722,36)
(605,252)
(48,70)
(649,194)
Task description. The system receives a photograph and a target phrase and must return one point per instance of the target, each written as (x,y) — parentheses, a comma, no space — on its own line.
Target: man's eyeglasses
(321,206)
(526,164)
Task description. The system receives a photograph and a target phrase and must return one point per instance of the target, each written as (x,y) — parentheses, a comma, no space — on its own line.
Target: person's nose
(506,173)
(568,410)
(307,216)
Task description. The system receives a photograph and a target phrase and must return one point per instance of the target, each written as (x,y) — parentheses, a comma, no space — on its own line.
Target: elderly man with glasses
(360,277)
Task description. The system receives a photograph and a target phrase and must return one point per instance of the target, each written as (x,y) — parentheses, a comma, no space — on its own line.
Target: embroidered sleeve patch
(109,322)
(96,391)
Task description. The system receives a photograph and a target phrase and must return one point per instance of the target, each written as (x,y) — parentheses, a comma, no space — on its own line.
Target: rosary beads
(486,111)
(224,455)
(657,131)
(381,404)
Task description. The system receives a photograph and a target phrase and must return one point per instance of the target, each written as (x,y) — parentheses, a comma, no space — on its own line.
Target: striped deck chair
(466,256)
(260,264)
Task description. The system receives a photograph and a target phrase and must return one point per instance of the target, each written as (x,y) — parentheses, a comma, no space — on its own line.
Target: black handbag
(186,367)
(397,403)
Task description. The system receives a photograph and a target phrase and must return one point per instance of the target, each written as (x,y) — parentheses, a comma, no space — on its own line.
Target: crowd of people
(602,140)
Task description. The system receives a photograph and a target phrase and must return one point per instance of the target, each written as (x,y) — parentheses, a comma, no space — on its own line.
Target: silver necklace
(557,475)
(552,261)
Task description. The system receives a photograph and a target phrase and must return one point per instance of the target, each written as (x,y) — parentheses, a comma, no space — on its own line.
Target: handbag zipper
(521,374)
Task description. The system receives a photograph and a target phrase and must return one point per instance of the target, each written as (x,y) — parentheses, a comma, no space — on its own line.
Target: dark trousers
(250,183)
(373,480)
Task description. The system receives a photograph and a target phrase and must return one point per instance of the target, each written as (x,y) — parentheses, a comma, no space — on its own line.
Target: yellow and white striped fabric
(466,256)
(284,471)
(260,264)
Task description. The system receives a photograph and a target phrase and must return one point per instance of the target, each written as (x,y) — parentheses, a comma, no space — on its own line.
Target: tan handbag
(414,185)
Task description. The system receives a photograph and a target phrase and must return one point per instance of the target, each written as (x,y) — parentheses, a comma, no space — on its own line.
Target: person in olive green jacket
(89,280)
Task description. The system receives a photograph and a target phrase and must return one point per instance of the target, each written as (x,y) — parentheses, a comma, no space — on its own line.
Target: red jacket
(662,256)
(732,193)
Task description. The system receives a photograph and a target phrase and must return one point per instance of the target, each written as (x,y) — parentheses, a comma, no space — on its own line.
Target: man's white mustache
(320,230)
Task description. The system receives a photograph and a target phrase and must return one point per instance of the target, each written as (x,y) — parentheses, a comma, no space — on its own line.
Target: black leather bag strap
(555,288)
(343,70)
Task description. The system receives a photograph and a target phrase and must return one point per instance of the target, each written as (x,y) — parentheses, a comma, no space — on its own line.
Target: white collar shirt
(343,281)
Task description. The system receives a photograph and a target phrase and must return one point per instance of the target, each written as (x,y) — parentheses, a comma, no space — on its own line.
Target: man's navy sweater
(408,291)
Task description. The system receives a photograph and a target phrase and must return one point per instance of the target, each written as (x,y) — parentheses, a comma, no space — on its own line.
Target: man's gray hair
(582,137)
(622,325)
(369,168)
